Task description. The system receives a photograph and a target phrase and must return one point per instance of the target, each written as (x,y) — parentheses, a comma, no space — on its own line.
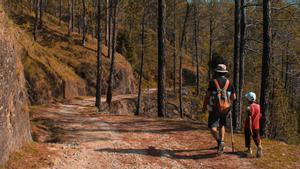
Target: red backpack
(221,102)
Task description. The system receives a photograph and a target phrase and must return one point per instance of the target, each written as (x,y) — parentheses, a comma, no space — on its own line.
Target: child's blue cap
(251,96)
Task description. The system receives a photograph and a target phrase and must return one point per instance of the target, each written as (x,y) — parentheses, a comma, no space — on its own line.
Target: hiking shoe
(221,148)
(218,142)
(248,152)
(259,152)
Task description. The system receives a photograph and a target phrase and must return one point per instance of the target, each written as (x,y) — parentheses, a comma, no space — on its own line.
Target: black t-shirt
(221,80)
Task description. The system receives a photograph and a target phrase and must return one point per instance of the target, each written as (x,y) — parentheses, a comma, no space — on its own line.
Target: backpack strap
(226,85)
(217,84)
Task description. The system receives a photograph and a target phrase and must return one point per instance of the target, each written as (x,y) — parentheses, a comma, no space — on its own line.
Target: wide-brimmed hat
(221,68)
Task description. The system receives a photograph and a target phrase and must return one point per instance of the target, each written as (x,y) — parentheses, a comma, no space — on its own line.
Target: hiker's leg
(222,127)
(222,137)
(213,124)
(256,138)
(214,132)
(247,138)
(222,133)
(257,141)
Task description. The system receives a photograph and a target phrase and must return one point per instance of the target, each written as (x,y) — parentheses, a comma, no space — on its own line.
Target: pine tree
(265,74)
(196,48)
(180,59)
(242,62)
(99,57)
(84,23)
(37,15)
(236,69)
(161,58)
(114,39)
(139,102)
(174,46)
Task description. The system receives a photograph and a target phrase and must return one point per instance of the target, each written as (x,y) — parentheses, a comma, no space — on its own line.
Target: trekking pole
(231,128)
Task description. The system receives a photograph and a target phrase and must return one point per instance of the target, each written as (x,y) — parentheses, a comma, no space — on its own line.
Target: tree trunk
(242,63)
(265,75)
(36,24)
(78,18)
(138,109)
(60,11)
(210,72)
(70,18)
(99,58)
(73,17)
(236,69)
(161,58)
(196,48)
(180,59)
(114,39)
(286,69)
(84,23)
(174,46)
(109,28)
(41,13)
(107,22)
(95,23)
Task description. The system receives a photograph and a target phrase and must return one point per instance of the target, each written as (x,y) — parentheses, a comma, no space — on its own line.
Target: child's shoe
(259,152)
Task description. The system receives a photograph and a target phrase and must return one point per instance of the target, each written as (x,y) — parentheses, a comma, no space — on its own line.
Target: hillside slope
(58,67)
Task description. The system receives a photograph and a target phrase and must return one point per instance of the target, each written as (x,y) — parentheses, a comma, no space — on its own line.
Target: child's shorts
(256,137)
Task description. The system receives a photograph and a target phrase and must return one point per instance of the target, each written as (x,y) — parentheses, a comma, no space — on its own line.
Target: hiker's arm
(233,97)
(206,101)
(250,124)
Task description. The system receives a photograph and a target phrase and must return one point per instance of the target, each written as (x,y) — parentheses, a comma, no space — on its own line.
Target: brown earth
(83,138)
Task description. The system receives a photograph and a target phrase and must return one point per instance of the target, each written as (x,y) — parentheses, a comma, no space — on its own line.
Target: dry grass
(276,154)
(32,155)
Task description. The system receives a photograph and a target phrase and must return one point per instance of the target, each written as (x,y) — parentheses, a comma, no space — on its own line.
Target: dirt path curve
(84,139)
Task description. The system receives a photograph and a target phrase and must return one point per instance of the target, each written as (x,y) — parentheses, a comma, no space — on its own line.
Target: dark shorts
(215,120)
(255,137)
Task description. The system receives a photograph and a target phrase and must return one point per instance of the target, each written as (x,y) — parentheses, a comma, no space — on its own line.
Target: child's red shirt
(254,112)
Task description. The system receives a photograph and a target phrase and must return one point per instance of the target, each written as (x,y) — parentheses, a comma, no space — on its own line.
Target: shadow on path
(172,154)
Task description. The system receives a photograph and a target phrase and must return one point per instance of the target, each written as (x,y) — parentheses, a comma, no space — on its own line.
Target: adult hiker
(219,96)
(251,126)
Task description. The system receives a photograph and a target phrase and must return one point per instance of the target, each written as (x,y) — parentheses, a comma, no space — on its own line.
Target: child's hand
(250,121)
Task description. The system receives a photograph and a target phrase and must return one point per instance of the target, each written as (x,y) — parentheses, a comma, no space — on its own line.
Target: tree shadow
(172,154)
(159,131)
(240,154)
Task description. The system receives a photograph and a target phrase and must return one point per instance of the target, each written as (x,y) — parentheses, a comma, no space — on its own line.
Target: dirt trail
(84,139)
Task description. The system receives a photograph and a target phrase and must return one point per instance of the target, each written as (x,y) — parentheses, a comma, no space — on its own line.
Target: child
(252,124)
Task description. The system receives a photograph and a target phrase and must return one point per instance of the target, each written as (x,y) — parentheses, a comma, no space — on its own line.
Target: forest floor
(78,137)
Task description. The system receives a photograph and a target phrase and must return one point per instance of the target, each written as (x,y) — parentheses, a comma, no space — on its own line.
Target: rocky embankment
(14,119)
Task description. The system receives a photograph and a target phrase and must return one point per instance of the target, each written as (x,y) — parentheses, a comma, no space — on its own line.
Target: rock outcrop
(14,118)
